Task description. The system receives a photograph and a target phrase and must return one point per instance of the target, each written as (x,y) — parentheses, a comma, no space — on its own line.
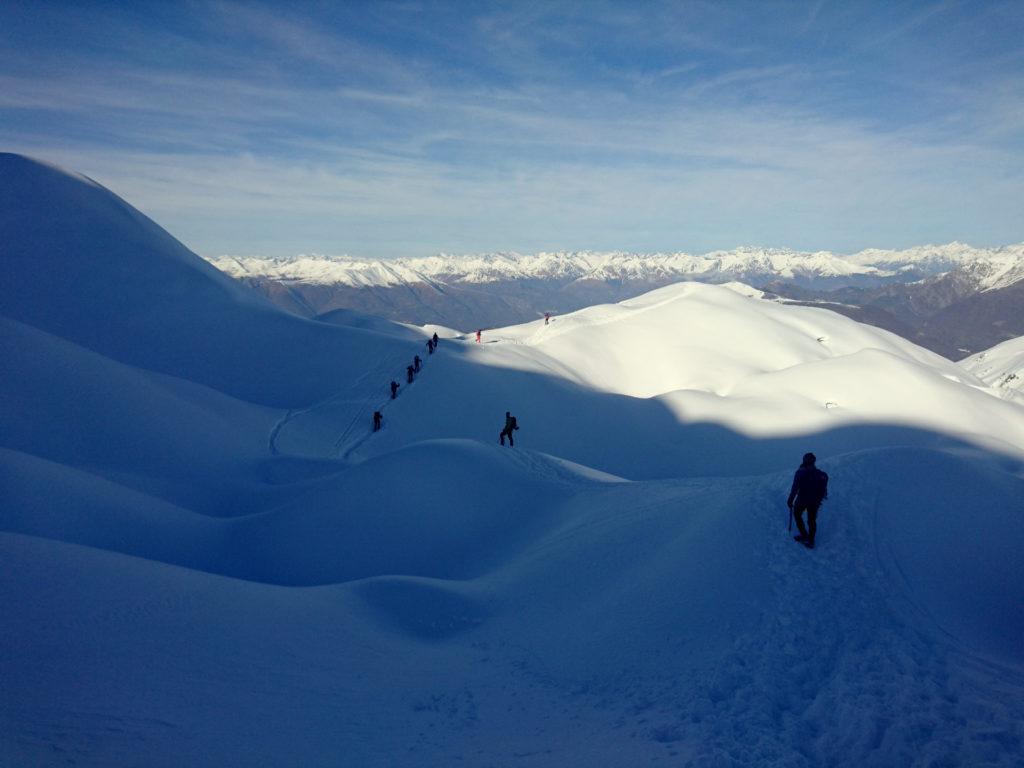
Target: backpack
(514,424)
(814,487)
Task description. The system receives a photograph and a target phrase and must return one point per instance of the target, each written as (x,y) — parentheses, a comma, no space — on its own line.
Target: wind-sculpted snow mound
(675,611)
(80,263)
(163,436)
(447,509)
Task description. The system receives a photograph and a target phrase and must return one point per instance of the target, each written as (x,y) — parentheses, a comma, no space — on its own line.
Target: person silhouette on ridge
(416,363)
(435,339)
(394,388)
(377,416)
(810,488)
(510,427)
(430,346)
(410,374)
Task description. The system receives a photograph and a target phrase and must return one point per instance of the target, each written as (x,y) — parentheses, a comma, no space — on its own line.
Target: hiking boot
(800,537)
(808,543)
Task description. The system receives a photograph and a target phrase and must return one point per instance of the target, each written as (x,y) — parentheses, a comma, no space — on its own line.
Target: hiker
(810,488)
(377,416)
(547,318)
(416,363)
(430,346)
(435,339)
(510,427)
(394,388)
(478,336)
(409,374)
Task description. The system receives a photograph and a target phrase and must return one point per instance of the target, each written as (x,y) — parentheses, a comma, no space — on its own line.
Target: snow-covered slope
(1001,368)
(989,267)
(663,376)
(210,559)
(151,302)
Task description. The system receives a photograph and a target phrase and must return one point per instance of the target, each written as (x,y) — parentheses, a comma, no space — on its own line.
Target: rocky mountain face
(952,299)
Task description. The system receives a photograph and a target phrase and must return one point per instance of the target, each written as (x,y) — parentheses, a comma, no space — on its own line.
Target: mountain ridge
(991,267)
(954,299)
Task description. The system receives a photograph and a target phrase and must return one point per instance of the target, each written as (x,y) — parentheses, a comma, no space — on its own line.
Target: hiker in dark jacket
(510,427)
(377,416)
(394,389)
(416,363)
(434,339)
(410,374)
(430,346)
(810,488)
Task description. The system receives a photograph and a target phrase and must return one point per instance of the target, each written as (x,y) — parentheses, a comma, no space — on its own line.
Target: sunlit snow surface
(1001,368)
(209,559)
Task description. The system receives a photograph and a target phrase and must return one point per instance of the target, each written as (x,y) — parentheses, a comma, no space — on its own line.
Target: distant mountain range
(954,299)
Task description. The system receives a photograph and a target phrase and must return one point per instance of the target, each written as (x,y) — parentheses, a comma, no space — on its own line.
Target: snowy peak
(990,267)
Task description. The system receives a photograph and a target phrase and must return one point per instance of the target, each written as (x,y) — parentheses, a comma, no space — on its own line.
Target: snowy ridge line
(592,319)
(991,267)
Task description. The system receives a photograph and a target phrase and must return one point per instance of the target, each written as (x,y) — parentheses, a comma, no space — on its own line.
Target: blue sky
(410,128)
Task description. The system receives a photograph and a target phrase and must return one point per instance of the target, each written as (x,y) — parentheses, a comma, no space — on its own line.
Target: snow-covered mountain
(953,299)
(987,267)
(210,558)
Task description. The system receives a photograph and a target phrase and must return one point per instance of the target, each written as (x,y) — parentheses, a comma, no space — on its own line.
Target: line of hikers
(809,489)
(410,375)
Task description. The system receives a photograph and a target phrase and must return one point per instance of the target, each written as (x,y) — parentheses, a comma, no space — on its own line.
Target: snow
(209,559)
(1001,368)
(990,268)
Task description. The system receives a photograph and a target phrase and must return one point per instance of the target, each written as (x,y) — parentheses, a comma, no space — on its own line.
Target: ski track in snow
(363,390)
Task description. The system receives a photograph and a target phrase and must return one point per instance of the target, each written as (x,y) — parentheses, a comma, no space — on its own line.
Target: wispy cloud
(405,130)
